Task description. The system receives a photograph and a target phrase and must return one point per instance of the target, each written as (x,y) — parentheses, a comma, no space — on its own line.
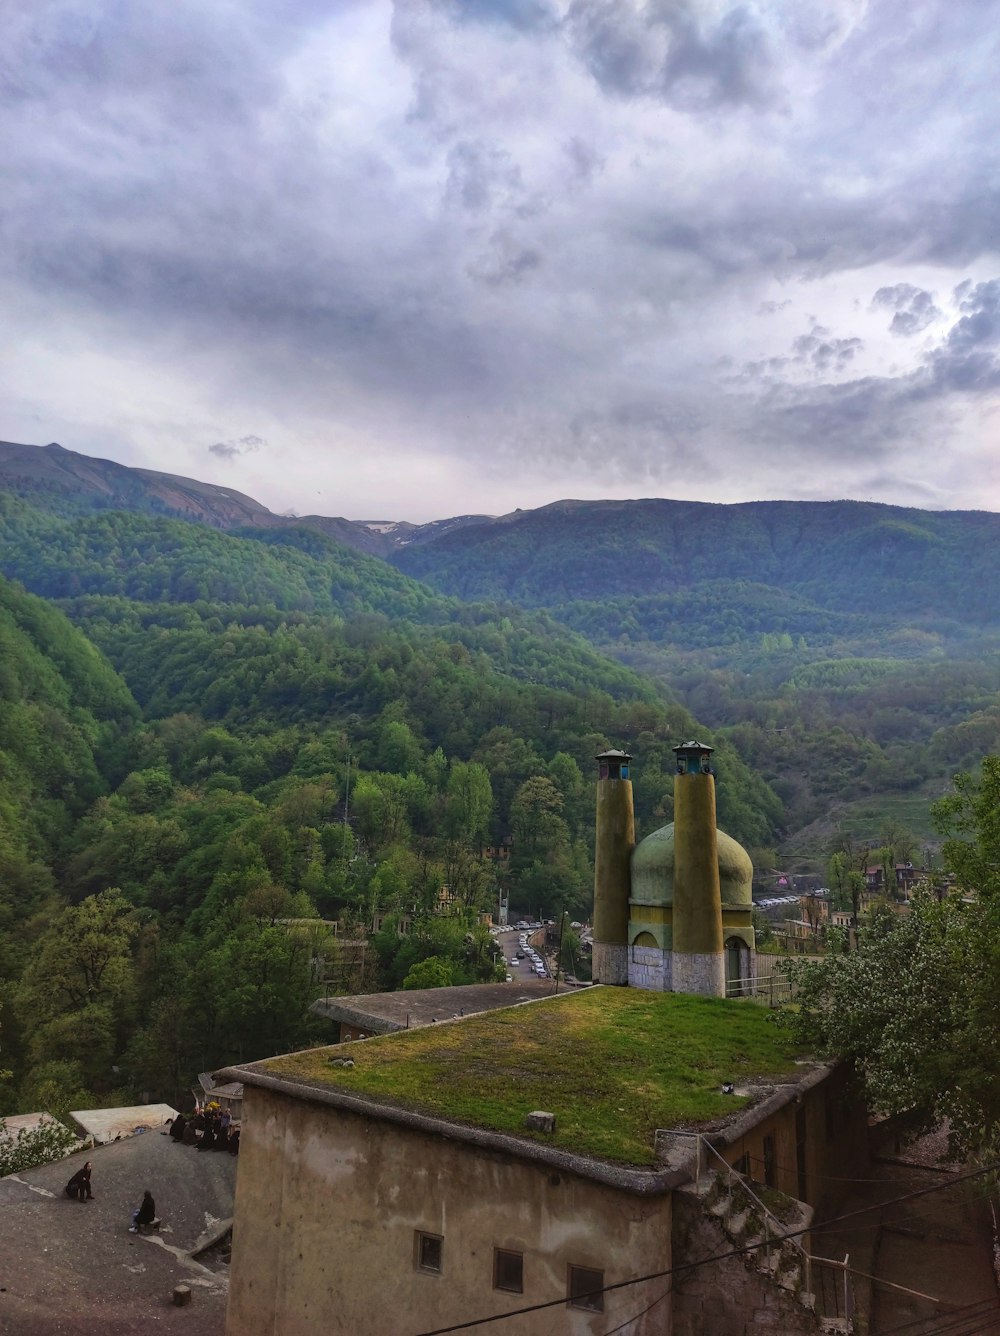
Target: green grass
(612,1065)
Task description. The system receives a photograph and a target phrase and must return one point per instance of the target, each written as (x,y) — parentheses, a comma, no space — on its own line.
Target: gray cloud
(245,445)
(817,353)
(913,308)
(868,418)
(585,236)
(481,176)
(524,15)
(671,50)
(969,358)
(826,354)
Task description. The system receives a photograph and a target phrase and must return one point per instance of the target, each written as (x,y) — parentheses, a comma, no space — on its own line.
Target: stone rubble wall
(731,1297)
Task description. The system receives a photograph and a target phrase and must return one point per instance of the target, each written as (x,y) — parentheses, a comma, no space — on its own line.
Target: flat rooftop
(384,1013)
(105,1125)
(73,1267)
(613,1065)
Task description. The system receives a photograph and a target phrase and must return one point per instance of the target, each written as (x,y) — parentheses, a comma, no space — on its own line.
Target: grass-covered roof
(612,1064)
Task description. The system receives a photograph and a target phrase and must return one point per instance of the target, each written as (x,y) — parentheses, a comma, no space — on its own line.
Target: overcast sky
(415,260)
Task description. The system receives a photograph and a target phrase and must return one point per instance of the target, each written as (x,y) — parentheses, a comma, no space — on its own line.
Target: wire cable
(954,1324)
(964,1313)
(716,1257)
(642,1313)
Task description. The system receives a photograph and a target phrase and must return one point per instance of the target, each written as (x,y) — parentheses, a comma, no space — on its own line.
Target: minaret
(613,846)
(699,963)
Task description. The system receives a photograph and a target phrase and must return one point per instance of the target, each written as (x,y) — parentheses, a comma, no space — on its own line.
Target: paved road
(509,940)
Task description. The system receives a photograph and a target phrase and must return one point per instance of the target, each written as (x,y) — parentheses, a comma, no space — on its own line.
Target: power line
(716,1257)
(954,1324)
(950,1317)
(642,1313)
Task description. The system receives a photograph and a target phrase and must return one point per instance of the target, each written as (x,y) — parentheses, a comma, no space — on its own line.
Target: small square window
(585,1289)
(427,1251)
(508,1271)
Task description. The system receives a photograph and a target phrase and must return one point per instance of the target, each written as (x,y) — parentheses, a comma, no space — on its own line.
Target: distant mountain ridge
(862,558)
(840,555)
(68,483)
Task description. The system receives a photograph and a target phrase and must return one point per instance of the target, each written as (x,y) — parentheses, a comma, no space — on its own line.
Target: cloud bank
(447,256)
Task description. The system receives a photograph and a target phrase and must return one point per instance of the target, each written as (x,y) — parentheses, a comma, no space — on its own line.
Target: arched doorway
(737,967)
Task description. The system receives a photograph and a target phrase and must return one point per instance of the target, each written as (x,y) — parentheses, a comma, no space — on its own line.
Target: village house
(358,1214)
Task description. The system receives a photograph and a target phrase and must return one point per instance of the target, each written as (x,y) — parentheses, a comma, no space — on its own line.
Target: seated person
(79,1185)
(144,1214)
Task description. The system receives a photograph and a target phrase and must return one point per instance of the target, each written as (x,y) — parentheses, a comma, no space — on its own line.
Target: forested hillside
(298,734)
(849,651)
(214,744)
(843,556)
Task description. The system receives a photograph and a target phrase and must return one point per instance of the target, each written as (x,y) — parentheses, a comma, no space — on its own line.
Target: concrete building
(357,1215)
(675,912)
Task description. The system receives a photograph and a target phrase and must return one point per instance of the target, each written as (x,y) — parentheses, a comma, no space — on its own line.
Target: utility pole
(562,924)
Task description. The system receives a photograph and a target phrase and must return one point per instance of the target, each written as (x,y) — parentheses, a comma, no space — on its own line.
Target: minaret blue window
(612,764)
(694,758)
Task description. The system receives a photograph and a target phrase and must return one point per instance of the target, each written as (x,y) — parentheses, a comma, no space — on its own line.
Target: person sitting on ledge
(145,1214)
(79,1185)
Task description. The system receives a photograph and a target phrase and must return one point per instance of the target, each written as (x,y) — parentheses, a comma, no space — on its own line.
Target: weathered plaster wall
(610,964)
(703,974)
(328,1202)
(832,1122)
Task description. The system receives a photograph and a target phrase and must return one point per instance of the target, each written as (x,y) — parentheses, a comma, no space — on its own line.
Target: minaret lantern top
(612,764)
(694,758)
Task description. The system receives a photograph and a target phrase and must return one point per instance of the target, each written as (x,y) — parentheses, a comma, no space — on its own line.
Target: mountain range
(807,561)
(847,654)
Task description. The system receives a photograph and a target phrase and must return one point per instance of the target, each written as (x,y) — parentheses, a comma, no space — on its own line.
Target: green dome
(653,870)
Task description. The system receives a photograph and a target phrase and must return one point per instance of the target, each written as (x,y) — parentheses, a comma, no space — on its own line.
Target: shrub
(37,1145)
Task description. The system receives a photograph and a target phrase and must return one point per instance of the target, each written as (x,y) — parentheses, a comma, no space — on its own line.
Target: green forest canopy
(217,743)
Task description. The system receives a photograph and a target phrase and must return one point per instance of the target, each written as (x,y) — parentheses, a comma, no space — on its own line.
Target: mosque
(674,912)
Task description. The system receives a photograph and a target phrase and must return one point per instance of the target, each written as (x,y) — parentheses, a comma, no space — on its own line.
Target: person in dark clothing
(207,1141)
(234,1142)
(79,1185)
(144,1214)
(177,1127)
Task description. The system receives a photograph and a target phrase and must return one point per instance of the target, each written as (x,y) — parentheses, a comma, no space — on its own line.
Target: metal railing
(828,1282)
(774,1232)
(770,990)
(834,1289)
